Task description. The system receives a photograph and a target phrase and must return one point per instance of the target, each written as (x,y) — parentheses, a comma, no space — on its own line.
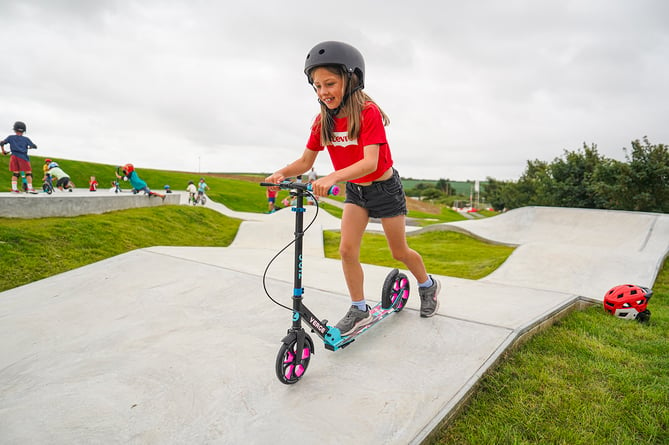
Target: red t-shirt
(345,152)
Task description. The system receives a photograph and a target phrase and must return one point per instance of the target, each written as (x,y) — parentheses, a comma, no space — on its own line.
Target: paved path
(173,345)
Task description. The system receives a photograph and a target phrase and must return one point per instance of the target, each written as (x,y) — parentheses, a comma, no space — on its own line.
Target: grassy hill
(241,192)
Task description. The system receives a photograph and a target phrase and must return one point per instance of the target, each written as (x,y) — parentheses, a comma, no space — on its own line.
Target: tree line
(585,179)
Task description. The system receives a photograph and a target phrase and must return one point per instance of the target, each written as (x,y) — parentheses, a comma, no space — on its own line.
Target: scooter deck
(334,340)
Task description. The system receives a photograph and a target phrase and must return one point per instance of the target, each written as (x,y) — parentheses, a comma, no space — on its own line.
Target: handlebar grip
(334,190)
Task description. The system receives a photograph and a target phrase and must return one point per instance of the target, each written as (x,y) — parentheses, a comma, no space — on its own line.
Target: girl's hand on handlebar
(322,186)
(275,178)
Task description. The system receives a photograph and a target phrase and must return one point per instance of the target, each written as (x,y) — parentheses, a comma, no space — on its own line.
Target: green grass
(488,213)
(590,379)
(444,253)
(32,249)
(331,209)
(446,215)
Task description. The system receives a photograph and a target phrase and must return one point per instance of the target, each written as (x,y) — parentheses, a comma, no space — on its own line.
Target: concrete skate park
(110,353)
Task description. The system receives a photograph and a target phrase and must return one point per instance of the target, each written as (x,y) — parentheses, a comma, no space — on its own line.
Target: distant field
(463,188)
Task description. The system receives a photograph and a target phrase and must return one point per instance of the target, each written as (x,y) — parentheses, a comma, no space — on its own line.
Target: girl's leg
(394,229)
(353,223)
(428,288)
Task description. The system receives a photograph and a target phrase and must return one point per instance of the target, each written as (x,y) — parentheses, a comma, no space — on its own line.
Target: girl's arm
(297,167)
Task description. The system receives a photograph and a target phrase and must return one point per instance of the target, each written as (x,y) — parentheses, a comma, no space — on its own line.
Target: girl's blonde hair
(354,101)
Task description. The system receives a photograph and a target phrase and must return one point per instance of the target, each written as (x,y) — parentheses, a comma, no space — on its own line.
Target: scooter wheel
(291,365)
(395,291)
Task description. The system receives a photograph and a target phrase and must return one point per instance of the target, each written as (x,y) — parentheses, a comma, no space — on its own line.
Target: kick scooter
(297,347)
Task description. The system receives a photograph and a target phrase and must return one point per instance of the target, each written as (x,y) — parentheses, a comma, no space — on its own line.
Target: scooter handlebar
(287,185)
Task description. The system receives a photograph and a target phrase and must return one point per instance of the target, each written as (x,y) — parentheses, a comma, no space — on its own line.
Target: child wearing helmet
(192,191)
(351,126)
(46,178)
(45,167)
(138,185)
(19,161)
(62,179)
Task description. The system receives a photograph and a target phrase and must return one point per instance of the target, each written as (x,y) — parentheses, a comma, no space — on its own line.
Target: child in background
(20,161)
(47,177)
(93,184)
(192,191)
(62,179)
(138,185)
(201,188)
(271,200)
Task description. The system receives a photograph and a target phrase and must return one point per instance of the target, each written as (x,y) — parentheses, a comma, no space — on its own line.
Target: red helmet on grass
(629,302)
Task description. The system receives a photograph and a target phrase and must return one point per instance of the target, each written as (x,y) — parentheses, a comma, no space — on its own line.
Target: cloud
(472,89)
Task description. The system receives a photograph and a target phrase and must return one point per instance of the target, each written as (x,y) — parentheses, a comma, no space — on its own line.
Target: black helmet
(19,126)
(336,53)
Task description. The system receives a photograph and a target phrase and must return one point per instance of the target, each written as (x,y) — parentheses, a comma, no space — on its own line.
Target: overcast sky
(473,89)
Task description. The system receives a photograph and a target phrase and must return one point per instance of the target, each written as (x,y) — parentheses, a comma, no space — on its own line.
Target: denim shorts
(382,199)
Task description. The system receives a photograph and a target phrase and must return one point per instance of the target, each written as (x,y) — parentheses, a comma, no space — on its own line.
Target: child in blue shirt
(201,187)
(19,146)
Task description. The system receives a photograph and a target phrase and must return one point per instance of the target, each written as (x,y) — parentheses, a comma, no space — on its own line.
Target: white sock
(362,304)
(428,283)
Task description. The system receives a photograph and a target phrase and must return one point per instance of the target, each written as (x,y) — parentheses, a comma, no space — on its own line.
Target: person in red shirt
(352,128)
(93,184)
(271,200)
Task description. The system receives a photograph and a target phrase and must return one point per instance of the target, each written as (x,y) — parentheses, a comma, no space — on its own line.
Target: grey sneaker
(354,319)
(428,298)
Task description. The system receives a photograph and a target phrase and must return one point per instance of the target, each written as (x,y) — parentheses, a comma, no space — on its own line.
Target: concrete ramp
(271,233)
(78,202)
(580,251)
(174,345)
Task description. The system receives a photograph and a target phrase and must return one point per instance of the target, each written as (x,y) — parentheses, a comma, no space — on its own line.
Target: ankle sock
(428,283)
(362,304)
